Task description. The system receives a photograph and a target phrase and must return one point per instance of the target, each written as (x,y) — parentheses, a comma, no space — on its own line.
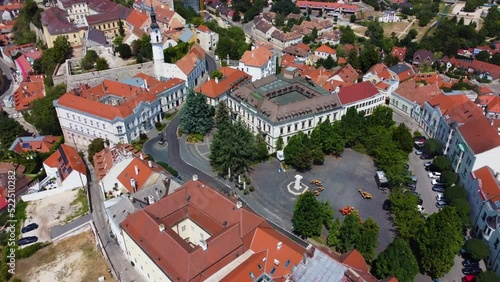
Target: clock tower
(156,44)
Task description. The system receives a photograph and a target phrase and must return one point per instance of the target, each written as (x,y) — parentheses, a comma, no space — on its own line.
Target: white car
(440,197)
(436,182)
(420,209)
(434,175)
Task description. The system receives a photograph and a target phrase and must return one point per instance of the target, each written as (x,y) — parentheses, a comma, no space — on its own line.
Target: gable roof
(257,57)
(66,159)
(138,171)
(107,157)
(404,71)
(97,36)
(382,71)
(423,56)
(355,260)
(28,92)
(203,28)
(41,144)
(399,52)
(489,188)
(480,135)
(417,94)
(347,74)
(189,61)
(137,19)
(231,79)
(326,49)
(356,92)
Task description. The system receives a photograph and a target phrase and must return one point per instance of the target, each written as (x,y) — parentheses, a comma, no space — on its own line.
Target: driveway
(424,186)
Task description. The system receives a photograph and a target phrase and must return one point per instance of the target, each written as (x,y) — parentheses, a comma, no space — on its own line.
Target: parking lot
(424,186)
(341,178)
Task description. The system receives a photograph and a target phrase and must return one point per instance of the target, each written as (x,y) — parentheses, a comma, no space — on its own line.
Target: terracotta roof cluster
(137,173)
(264,26)
(41,144)
(331,35)
(411,91)
(382,71)
(480,135)
(231,80)
(399,52)
(299,50)
(257,57)
(234,232)
(11,7)
(478,66)
(90,99)
(28,91)
(105,159)
(357,92)
(489,187)
(491,103)
(191,59)
(285,36)
(66,159)
(164,15)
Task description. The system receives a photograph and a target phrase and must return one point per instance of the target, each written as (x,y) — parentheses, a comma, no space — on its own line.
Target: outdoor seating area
(347,210)
(319,186)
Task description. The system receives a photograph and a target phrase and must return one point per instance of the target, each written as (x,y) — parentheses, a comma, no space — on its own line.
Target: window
(252,275)
(296,126)
(79,119)
(259,266)
(85,120)
(310,122)
(289,128)
(497,241)
(92,123)
(119,129)
(484,216)
(287,263)
(273,271)
(281,130)
(67,115)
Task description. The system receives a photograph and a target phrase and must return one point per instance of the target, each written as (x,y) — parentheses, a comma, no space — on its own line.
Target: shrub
(143,136)
(179,132)
(246,191)
(251,188)
(168,168)
(247,181)
(30,250)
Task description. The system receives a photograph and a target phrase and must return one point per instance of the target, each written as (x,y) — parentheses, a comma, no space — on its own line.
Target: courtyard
(341,178)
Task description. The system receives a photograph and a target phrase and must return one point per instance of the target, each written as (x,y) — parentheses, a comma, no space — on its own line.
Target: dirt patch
(74,259)
(49,212)
(397,27)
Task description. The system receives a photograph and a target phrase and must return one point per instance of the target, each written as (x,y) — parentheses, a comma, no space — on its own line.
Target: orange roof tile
(494,105)
(347,74)
(355,260)
(104,160)
(382,71)
(488,186)
(485,90)
(412,92)
(66,159)
(256,57)
(390,279)
(41,144)
(447,102)
(231,79)
(399,52)
(141,175)
(137,19)
(203,28)
(341,61)
(326,49)
(26,93)
(188,62)
(480,135)
(163,15)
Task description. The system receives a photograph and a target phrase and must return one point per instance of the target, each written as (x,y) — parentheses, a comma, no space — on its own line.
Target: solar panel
(25,145)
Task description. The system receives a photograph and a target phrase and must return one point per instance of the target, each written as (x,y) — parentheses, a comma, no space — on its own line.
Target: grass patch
(138,144)
(168,168)
(360,148)
(195,138)
(30,250)
(81,200)
(170,115)
(179,132)
(160,126)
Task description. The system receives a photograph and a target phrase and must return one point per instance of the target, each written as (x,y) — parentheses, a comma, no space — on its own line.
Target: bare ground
(71,260)
(397,27)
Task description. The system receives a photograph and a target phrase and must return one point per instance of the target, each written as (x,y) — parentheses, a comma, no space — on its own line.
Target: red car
(469,278)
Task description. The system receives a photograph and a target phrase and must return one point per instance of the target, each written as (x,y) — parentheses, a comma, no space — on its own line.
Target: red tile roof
(27,93)
(489,187)
(188,62)
(347,74)
(41,144)
(464,112)
(257,57)
(140,171)
(447,102)
(231,79)
(326,49)
(355,260)
(484,90)
(399,52)
(137,19)
(357,92)
(203,28)
(231,230)
(417,94)
(66,159)
(494,105)
(382,71)
(480,135)
(105,159)
(478,66)
(390,279)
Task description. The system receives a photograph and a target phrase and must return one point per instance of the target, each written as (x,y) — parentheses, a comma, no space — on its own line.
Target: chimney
(133,183)
(203,245)
(216,80)
(239,204)
(141,156)
(279,245)
(195,177)
(150,163)
(497,176)
(161,227)
(151,199)
(136,170)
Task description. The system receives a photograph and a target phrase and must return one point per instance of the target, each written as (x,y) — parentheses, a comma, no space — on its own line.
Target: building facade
(260,62)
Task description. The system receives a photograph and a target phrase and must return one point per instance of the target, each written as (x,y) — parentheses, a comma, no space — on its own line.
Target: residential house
(138,20)
(24,63)
(40,144)
(335,7)
(264,106)
(399,52)
(206,236)
(389,17)
(31,89)
(191,68)
(346,74)
(482,69)
(363,96)
(324,51)
(292,16)
(330,37)
(66,168)
(491,106)
(10,11)
(169,19)
(187,36)
(117,111)
(299,51)
(421,57)
(263,28)
(206,38)
(483,193)
(259,62)
(285,39)
(11,169)
(55,23)
(96,40)
(403,71)
(378,73)
(216,89)
(269,16)
(409,97)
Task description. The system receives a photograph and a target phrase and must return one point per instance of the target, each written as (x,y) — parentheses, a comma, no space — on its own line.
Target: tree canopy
(307,216)
(441,163)
(94,147)
(477,248)
(43,115)
(356,234)
(487,276)
(11,129)
(196,114)
(232,42)
(432,146)
(390,263)
(30,12)
(407,218)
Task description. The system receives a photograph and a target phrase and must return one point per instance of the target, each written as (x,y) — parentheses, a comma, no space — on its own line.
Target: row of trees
(311,215)
(51,57)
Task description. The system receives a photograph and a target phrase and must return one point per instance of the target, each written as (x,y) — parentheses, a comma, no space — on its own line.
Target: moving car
(440,204)
(29,227)
(470,263)
(438,188)
(435,175)
(27,240)
(471,270)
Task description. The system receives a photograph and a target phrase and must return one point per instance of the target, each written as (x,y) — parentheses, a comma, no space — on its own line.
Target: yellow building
(55,23)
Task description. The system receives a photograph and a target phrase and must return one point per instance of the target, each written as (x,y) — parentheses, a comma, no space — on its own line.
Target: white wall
(172,70)
(44,194)
(143,264)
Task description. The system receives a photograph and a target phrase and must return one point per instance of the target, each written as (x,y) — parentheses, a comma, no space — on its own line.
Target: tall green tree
(407,218)
(94,147)
(348,36)
(443,229)
(432,146)
(350,232)
(487,276)
(402,137)
(327,137)
(222,118)
(101,64)
(279,143)
(353,125)
(261,152)
(441,163)
(298,152)
(367,242)
(307,215)
(381,116)
(43,115)
(196,114)
(11,129)
(478,248)
(391,263)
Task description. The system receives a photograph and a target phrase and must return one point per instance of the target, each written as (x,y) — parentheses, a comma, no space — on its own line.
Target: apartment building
(116,111)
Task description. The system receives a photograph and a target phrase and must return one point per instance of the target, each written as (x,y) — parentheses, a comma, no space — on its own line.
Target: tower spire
(154,24)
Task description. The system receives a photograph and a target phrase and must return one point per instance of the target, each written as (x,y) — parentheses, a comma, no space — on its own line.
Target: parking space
(341,177)
(424,186)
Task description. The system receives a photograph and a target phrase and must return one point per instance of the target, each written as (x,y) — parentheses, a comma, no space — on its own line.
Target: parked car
(427,164)
(469,278)
(387,205)
(471,270)
(438,188)
(29,227)
(470,263)
(420,209)
(412,186)
(440,197)
(426,157)
(434,175)
(441,204)
(27,240)
(436,182)
(418,152)
(407,166)
(419,138)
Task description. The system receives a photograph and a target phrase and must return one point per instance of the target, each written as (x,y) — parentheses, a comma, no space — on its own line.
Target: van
(382,181)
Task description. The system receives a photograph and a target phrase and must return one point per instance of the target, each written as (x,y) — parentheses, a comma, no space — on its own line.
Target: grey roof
(134,81)
(399,68)
(96,36)
(56,21)
(186,35)
(279,99)
(421,56)
(320,267)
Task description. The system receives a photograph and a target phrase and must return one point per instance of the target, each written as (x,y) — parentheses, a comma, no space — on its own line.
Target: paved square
(341,179)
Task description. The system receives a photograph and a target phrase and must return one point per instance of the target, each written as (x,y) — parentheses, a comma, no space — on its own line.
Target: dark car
(387,205)
(425,157)
(27,240)
(29,227)
(471,270)
(470,263)
(412,186)
(438,188)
